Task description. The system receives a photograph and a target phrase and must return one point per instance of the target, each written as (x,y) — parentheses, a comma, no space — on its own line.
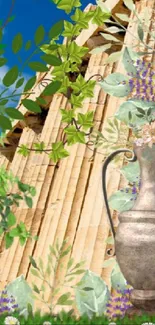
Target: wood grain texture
(69,201)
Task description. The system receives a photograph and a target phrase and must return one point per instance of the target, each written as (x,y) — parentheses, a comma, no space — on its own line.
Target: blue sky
(29,14)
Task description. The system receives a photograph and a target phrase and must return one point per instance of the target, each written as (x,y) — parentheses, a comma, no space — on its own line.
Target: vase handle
(104,169)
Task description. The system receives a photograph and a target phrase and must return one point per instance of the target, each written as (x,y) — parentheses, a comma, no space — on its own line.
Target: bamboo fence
(69,200)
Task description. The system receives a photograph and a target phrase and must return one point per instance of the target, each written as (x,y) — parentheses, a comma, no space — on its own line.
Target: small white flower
(11,321)
(112,323)
(148,324)
(47,323)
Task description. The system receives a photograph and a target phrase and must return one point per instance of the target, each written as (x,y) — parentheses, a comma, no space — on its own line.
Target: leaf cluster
(57,252)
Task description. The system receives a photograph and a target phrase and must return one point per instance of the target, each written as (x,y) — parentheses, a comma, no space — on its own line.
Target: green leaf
(11,219)
(113,30)
(100,17)
(56,30)
(58,151)
(22,240)
(3,61)
(1,231)
(67,116)
(123,17)
(52,88)
(38,66)
(68,6)
(74,136)
(70,263)
(86,120)
(63,299)
(117,279)
(140,32)
(51,59)
(70,29)
(27,45)
(129,4)
(35,273)
(14,113)
(113,85)
(94,301)
(121,201)
(39,35)
(41,101)
(81,18)
(76,52)
(39,146)
(108,262)
(101,49)
(131,106)
(23,187)
(110,240)
(15,232)
(17,43)
(87,289)
(33,262)
(140,110)
(19,82)
(30,83)
(29,201)
(8,240)
(32,191)
(35,288)
(76,272)
(21,291)
(114,57)
(5,123)
(31,105)
(131,171)
(10,77)
(23,150)
(109,37)
(127,61)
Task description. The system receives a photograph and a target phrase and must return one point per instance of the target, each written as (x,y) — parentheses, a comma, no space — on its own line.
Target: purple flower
(7,303)
(118,304)
(142,84)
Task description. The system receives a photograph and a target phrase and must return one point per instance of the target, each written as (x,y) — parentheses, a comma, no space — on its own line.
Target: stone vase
(135,235)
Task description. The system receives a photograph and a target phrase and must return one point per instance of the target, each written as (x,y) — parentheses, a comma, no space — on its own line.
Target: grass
(67,319)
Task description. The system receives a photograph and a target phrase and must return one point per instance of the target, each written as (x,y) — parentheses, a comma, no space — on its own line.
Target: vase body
(135,235)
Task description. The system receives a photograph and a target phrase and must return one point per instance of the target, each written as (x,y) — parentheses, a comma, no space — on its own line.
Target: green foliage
(74,136)
(58,151)
(57,252)
(127,61)
(56,30)
(131,171)
(11,76)
(132,106)
(121,201)
(22,292)
(94,301)
(113,85)
(117,279)
(17,43)
(38,66)
(52,88)
(67,6)
(7,200)
(31,105)
(129,4)
(86,120)
(30,83)
(39,35)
